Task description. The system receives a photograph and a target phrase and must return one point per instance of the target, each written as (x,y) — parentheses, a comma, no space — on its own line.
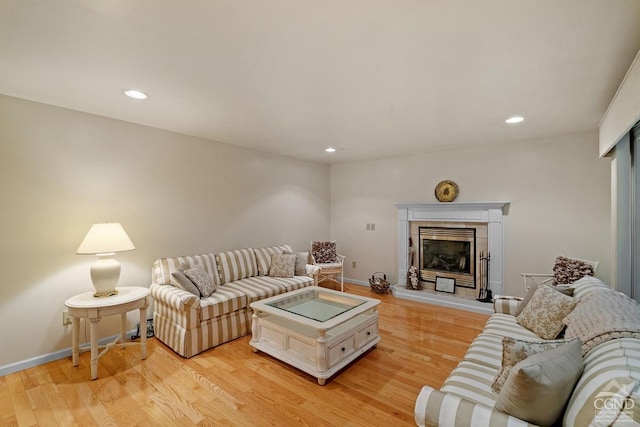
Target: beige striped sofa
(190,324)
(611,368)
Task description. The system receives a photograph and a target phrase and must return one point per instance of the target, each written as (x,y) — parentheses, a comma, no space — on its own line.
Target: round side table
(87,306)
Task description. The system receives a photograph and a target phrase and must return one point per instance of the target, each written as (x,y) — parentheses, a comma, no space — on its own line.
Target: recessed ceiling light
(514,119)
(330,150)
(136,94)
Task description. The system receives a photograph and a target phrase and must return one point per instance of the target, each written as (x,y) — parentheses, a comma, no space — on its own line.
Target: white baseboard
(50,357)
(356,282)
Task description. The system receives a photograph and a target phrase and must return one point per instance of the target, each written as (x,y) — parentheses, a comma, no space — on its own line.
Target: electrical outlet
(66,319)
(353,264)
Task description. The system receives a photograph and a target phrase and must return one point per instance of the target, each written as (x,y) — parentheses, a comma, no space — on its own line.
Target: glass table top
(315,305)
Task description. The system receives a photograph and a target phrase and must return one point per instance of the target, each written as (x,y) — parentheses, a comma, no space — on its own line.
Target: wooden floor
(231,385)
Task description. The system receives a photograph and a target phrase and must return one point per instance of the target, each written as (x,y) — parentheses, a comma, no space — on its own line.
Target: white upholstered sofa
(607,391)
(190,324)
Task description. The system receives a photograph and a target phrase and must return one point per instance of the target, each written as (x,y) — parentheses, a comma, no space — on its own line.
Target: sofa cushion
(201,280)
(544,313)
(505,325)
(163,267)
(584,286)
(225,300)
(236,265)
(612,368)
(283,265)
(263,257)
(538,387)
(257,288)
(473,382)
(515,351)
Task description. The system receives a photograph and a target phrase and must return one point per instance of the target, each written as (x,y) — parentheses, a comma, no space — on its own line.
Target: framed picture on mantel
(445,284)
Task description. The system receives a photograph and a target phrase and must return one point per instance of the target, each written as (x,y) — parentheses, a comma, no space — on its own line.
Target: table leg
(123,329)
(143,332)
(75,340)
(93,330)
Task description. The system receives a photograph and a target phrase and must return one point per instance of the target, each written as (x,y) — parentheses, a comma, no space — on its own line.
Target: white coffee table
(314,329)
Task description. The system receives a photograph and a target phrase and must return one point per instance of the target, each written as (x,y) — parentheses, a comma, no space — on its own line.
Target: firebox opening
(448,252)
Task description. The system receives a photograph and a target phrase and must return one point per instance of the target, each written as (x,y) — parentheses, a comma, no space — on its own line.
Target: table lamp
(104,240)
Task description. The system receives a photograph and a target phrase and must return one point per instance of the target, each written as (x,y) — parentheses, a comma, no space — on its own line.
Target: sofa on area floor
(599,388)
(190,323)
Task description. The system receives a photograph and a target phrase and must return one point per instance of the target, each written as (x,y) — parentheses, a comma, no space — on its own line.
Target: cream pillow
(515,351)
(282,265)
(301,262)
(544,313)
(179,280)
(539,387)
(532,290)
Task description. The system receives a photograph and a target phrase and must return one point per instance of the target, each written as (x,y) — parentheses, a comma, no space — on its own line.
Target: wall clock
(446,191)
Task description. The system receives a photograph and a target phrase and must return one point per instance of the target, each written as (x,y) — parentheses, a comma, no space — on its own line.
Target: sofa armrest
(312,271)
(506,304)
(174,297)
(434,408)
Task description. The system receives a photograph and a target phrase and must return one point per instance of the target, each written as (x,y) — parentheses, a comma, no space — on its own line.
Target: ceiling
(372,78)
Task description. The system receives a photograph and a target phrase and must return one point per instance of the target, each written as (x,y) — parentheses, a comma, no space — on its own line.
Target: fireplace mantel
(490,213)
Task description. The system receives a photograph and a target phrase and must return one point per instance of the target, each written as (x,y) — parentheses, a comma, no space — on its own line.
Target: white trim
(443,300)
(50,357)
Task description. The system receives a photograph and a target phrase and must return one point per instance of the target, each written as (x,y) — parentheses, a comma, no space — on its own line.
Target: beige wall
(558,188)
(61,171)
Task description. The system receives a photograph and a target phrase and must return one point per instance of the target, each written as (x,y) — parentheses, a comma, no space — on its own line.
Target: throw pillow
(539,387)
(515,351)
(532,289)
(324,252)
(567,270)
(201,279)
(301,262)
(545,312)
(282,265)
(179,280)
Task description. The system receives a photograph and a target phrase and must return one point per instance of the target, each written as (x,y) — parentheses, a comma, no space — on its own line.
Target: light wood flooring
(230,385)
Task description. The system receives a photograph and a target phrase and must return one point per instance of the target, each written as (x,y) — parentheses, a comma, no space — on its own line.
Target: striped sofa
(190,324)
(611,368)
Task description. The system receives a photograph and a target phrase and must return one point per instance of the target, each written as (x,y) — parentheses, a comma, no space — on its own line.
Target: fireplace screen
(448,252)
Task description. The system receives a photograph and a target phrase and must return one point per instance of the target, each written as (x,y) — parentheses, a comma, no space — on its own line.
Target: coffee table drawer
(367,334)
(341,350)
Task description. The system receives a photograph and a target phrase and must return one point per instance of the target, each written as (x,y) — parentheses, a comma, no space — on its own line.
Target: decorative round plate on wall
(446,191)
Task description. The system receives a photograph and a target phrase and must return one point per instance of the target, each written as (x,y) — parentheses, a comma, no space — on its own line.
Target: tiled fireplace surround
(485,217)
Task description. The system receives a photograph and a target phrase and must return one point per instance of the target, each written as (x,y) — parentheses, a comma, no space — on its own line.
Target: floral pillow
(545,312)
(202,280)
(282,265)
(324,252)
(567,270)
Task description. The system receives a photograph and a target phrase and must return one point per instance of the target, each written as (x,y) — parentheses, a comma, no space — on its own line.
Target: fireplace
(448,252)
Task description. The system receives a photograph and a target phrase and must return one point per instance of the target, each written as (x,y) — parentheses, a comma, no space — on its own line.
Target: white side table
(87,306)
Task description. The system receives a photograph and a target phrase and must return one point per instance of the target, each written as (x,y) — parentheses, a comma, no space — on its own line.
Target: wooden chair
(332,268)
(541,278)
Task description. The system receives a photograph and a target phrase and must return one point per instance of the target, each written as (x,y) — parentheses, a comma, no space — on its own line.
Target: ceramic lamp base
(105,273)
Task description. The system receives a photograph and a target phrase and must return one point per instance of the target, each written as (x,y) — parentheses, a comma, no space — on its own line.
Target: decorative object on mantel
(412,278)
(485,294)
(379,285)
(445,284)
(446,191)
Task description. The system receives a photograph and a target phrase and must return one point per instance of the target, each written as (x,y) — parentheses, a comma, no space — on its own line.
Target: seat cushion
(505,325)
(258,288)
(473,382)
(224,300)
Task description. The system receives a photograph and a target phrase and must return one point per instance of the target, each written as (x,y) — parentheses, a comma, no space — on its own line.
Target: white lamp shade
(105,238)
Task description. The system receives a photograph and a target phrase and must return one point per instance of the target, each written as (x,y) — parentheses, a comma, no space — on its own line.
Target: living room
(66,166)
